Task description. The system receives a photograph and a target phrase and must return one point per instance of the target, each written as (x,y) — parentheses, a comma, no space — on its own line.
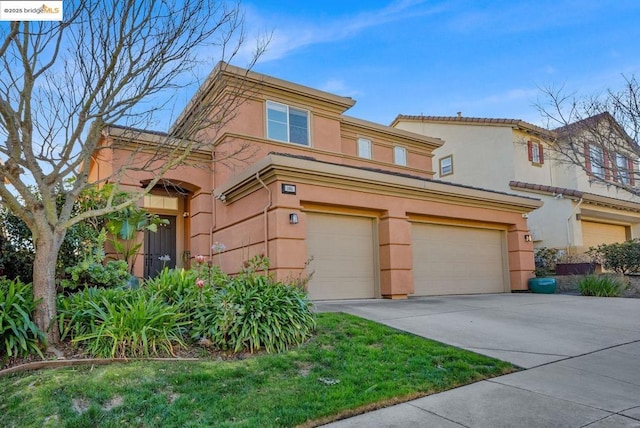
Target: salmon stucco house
(355,199)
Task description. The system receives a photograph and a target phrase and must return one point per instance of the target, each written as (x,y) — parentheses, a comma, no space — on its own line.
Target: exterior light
(527,238)
(293,218)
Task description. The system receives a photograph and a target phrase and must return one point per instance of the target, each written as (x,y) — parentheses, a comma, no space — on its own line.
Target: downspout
(264,213)
(569,227)
(213,206)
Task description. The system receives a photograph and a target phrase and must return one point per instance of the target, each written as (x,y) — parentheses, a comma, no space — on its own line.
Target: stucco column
(521,261)
(396,279)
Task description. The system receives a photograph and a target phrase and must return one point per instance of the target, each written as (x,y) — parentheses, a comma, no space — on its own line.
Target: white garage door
(594,234)
(343,254)
(457,260)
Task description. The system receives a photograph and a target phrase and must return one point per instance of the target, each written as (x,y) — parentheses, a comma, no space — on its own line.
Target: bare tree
(598,134)
(107,63)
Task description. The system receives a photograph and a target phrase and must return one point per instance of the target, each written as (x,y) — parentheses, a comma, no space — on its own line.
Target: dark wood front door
(160,248)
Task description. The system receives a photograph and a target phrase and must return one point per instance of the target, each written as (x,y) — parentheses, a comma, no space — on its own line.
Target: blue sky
(481,58)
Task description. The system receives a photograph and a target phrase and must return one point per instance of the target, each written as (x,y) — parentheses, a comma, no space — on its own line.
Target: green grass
(350,365)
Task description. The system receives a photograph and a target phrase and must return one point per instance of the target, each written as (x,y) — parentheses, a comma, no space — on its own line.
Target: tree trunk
(44,283)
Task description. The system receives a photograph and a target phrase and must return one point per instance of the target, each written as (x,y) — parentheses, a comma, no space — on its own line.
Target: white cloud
(338,87)
(291,33)
(511,95)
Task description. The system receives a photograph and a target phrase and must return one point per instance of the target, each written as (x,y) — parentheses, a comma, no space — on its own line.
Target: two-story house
(355,199)
(511,155)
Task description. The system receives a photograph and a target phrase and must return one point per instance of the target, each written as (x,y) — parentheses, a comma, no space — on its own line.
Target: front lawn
(349,366)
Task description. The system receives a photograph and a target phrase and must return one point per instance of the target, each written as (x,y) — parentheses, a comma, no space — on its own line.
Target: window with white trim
(288,124)
(400,156)
(364,148)
(446,165)
(596,161)
(535,152)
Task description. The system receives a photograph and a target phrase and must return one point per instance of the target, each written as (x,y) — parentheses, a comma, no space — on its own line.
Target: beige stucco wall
(474,149)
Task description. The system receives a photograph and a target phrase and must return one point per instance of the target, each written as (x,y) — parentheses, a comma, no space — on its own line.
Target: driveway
(582,356)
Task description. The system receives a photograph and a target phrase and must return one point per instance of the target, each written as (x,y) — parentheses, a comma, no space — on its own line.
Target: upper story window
(446,165)
(288,124)
(622,165)
(595,163)
(536,155)
(364,148)
(400,156)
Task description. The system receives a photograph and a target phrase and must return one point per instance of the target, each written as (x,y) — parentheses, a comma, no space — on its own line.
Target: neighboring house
(354,198)
(511,155)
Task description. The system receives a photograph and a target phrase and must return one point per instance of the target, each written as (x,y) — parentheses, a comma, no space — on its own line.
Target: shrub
(545,259)
(122,323)
(92,273)
(601,286)
(76,312)
(621,257)
(18,332)
(254,312)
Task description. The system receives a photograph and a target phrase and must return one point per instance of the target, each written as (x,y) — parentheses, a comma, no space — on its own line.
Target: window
(288,124)
(400,156)
(596,161)
(536,155)
(161,202)
(364,148)
(622,164)
(446,166)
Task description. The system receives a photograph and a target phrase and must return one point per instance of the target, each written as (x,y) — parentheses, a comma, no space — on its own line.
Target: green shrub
(545,259)
(92,273)
(621,257)
(76,312)
(122,323)
(601,286)
(18,332)
(254,312)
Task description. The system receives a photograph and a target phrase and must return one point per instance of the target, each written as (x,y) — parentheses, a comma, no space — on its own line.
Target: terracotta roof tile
(476,120)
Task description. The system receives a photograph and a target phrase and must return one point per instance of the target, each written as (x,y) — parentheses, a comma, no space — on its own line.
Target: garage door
(457,260)
(594,234)
(343,254)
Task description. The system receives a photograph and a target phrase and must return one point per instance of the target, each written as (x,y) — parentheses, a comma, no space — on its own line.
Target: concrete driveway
(582,356)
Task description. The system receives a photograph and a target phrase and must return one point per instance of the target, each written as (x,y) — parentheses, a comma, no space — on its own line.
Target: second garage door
(457,260)
(342,248)
(594,234)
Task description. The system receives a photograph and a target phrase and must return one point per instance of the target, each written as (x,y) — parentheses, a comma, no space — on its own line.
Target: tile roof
(475,120)
(589,198)
(546,189)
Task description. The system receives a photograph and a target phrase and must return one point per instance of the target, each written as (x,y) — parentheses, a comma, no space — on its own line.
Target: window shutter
(607,165)
(632,180)
(540,153)
(587,158)
(530,150)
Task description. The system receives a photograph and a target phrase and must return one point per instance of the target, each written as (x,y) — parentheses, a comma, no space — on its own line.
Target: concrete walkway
(582,356)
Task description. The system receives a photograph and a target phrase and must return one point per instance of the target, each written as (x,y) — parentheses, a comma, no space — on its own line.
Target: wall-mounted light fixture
(293,218)
(528,238)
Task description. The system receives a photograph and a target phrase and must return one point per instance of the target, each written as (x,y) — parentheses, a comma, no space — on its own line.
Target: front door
(160,247)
